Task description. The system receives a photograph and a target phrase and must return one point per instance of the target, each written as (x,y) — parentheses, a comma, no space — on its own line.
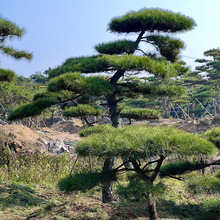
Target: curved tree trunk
(107,190)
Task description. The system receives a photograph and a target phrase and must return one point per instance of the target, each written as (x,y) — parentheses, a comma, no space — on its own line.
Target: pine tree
(9,30)
(117,59)
(147,148)
(207,89)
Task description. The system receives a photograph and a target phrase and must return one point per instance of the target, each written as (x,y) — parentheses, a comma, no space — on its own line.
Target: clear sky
(59,29)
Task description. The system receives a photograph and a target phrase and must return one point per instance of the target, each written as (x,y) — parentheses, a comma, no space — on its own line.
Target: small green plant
(20,132)
(84,181)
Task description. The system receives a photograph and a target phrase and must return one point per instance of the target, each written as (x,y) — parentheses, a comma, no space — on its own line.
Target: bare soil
(24,138)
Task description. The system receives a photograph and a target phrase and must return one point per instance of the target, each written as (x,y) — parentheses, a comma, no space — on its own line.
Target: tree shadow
(19,195)
(188,211)
(166,209)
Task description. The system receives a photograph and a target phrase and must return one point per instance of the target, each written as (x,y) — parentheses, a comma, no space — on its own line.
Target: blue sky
(59,29)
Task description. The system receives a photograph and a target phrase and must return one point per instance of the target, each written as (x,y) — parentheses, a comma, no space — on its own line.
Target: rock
(43,141)
(71,150)
(58,147)
(2,122)
(64,149)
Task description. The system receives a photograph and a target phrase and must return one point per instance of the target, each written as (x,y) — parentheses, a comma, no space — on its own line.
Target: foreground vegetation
(28,190)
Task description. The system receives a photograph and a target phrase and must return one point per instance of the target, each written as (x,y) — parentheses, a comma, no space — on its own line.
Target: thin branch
(71,99)
(122,165)
(119,100)
(146,171)
(126,169)
(174,177)
(217,162)
(139,162)
(91,123)
(142,52)
(155,161)
(157,168)
(156,47)
(74,164)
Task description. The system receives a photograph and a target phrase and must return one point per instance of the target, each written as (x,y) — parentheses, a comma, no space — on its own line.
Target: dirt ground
(26,138)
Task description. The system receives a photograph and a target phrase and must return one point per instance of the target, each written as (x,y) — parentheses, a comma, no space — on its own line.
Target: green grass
(30,191)
(45,201)
(212,207)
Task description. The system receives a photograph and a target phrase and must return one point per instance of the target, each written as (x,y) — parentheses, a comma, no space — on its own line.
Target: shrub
(85,181)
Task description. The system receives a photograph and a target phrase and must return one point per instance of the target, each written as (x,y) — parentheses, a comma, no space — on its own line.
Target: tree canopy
(9,31)
(151,20)
(144,142)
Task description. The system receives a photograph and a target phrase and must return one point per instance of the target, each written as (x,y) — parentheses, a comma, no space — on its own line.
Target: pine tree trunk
(113,110)
(107,189)
(152,208)
(166,108)
(192,108)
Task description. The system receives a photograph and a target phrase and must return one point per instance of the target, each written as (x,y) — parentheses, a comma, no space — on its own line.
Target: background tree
(203,86)
(118,59)
(9,30)
(17,93)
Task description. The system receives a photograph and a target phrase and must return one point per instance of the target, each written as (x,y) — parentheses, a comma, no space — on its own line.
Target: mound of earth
(23,138)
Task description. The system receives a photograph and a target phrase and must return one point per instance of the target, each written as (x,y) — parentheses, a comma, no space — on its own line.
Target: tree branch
(71,99)
(122,165)
(157,169)
(174,177)
(155,161)
(125,169)
(142,51)
(119,100)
